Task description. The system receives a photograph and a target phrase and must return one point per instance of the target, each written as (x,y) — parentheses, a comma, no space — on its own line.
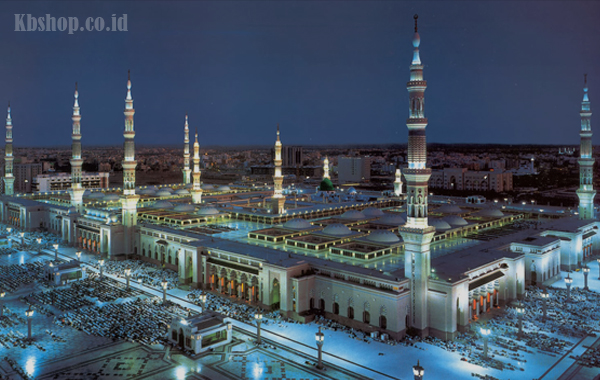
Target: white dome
(490,213)
(97,195)
(337,229)
(207,186)
(185,208)
(111,197)
(163,193)
(162,204)
(297,224)
(392,220)
(166,189)
(439,224)
(224,188)
(147,192)
(373,212)
(87,193)
(153,188)
(182,192)
(351,190)
(455,220)
(383,236)
(450,209)
(207,210)
(353,214)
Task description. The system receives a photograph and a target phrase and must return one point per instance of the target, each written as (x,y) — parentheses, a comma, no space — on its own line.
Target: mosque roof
(326,185)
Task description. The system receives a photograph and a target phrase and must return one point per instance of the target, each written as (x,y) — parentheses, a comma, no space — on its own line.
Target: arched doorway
(322,305)
(383,322)
(275,295)
(181,338)
(336,308)
(350,312)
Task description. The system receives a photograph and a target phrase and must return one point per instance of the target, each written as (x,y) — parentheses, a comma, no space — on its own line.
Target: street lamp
(2,294)
(78,254)
(320,338)
(485,332)
(39,241)
(127,275)
(101,262)
(418,371)
(520,311)
(568,282)
(598,268)
(586,272)
(164,284)
(55,252)
(29,314)
(545,296)
(203,300)
(22,238)
(258,316)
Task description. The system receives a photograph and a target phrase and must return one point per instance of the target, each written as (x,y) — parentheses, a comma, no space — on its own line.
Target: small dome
(166,189)
(163,193)
(439,224)
(383,236)
(297,224)
(490,213)
(337,229)
(189,185)
(450,209)
(185,208)
(147,192)
(111,197)
(115,218)
(153,188)
(207,210)
(455,220)
(87,193)
(373,212)
(394,219)
(207,186)
(351,190)
(326,185)
(97,195)
(353,214)
(182,192)
(224,188)
(162,204)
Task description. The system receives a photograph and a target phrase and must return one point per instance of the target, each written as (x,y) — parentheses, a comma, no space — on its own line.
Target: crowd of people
(141,271)
(12,277)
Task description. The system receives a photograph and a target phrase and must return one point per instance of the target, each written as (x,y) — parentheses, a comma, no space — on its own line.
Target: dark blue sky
(330,72)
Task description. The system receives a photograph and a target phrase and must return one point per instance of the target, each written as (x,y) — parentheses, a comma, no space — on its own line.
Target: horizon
(329,73)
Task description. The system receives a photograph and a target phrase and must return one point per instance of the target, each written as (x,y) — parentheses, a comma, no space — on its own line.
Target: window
(383,322)
(188,342)
(350,312)
(366,317)
(174,335)
(336,308)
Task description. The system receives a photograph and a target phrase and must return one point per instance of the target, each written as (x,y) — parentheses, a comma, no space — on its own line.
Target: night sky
(329,72)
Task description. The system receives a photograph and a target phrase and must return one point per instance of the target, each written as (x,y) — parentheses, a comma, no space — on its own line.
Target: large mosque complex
(394,263)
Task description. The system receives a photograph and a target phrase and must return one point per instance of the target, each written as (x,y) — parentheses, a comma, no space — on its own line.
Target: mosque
(393,263)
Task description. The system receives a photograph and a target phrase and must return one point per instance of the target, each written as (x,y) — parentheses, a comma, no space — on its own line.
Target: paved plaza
(560,348)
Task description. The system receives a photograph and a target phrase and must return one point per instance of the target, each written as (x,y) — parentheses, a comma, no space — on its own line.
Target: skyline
(239,68)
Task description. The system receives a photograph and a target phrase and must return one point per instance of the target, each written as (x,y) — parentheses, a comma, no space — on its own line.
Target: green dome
(326,185)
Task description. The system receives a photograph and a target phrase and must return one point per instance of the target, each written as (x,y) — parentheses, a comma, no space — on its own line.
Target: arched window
(312,303)
(383,322)
(366,317)
(350,312)
(336,308)
(322,304)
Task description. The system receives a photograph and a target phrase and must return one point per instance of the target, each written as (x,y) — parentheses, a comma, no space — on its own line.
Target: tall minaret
(398,183)
(77,189)
(129,199)
(9,179)
(326,168)
(197,189)
(586,192)
(278,200)
(186,152)
(416,233)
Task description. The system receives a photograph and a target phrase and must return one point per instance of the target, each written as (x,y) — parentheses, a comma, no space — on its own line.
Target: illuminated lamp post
(568,282)
(29,314)
(101,262)
(39,241)
(598,260)
(55,252)
(164,284)
(520,311)
(22,238)
(78,254)
(203,300)
(545,296)
(127,276)
(485,332)
(258,316)
(586,272)
(418,371)
(320,338)
(2,294)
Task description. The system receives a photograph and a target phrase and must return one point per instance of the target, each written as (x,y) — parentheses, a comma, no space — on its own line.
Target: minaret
(586,192)
(278,200)
(77,189)
(326,168)
(186,152)
(416,233)
(197,189)
(398,183)
(129,199)
(9,179)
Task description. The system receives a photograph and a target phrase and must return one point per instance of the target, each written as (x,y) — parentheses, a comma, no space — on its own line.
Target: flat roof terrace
(275,234)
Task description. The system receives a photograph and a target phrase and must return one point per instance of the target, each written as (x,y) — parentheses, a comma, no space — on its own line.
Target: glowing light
(30,366)
(180,372)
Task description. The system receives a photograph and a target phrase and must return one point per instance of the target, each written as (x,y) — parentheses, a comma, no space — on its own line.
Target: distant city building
(354,169)
(464,179)
(62,181)
(24,175)
(292,156)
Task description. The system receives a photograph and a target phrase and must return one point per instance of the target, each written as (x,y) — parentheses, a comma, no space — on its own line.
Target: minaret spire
(398,183)
(130,199)
(416,233)
(326,168)
(586,192)
(197,186)
(278,200)
(77,189)
(9,179)
(186,152)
